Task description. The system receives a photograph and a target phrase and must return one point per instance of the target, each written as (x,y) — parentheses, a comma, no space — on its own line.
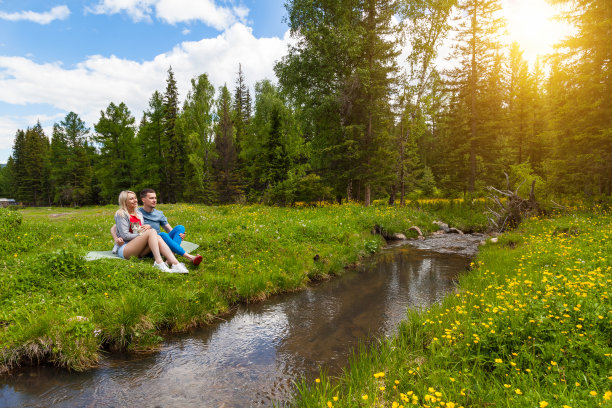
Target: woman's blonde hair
(123,209)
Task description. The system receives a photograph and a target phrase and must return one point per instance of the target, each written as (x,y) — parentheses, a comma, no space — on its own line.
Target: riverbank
(60,309)
(529,326)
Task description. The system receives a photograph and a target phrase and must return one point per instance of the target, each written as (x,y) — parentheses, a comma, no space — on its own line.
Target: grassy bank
(55,307)
(531,326)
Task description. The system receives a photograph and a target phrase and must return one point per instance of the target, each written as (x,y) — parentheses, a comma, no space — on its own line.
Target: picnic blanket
(93,255)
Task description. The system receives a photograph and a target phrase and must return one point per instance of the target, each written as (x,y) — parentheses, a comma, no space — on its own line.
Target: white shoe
(161,266)
(115,249)
(179,268)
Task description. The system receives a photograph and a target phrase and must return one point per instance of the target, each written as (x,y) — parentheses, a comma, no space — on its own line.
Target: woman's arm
(123,228)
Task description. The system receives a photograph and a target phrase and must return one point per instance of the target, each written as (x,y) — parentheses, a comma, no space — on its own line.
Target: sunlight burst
(531,23)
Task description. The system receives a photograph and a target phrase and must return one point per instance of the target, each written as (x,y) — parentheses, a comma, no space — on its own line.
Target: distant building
(5,202)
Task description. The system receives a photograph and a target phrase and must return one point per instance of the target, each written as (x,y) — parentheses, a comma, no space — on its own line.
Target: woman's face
(132,201)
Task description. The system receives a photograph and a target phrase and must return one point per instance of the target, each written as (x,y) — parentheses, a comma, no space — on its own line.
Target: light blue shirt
(156,219)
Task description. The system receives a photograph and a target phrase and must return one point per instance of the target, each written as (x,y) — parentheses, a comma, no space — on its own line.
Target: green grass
(531,326)
(55,307)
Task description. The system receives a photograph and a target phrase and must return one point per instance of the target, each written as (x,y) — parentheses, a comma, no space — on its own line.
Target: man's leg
(173,239)
(175,234)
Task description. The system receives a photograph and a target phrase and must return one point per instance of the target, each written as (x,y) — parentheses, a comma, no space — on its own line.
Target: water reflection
(253,357)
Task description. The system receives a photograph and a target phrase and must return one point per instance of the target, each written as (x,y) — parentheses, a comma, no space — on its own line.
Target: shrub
(10,221)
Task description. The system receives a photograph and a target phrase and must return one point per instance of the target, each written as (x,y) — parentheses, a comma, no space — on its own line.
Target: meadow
(530,326)
(57,308)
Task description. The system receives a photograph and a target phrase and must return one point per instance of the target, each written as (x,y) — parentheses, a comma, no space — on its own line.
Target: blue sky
(58,56)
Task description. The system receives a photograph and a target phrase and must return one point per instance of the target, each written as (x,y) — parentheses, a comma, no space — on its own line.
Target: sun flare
(531,23)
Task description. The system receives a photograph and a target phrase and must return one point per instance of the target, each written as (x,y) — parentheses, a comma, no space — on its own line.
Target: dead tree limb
(513,208)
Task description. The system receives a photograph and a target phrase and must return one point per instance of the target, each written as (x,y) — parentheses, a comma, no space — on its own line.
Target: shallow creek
(252,356)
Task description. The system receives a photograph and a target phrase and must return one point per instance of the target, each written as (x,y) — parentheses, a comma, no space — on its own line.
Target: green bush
(62,263)
(10,221)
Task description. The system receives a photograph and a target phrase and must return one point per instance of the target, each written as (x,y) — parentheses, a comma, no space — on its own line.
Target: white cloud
(56,13)
(91,85)
(138,10)
(174,11)
(185,31)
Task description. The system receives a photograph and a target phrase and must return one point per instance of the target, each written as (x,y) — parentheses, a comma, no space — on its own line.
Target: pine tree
(520,104)
(196,123)
(582,122)
(172,185)
(6,179)
(152,145)
(376,74)
(477,43)
(225,164)
(241,108)
(31,166)
(71,170)
(117,161)
(426,27)
(340,74)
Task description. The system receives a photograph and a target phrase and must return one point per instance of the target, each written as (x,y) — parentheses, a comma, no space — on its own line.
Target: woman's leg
(139,246)
(165,250)
(153,246)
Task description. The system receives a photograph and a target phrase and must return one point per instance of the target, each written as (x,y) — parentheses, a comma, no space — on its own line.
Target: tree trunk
(367,195)
(473,80)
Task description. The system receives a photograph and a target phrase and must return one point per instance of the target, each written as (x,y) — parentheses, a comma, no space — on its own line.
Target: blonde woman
(140,239)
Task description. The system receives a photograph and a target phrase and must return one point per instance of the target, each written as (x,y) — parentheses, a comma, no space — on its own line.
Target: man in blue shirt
(157,220)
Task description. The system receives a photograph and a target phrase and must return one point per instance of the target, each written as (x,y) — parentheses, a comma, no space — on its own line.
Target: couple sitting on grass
(137,233)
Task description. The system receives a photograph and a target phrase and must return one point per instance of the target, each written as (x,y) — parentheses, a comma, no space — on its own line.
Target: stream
(253,356)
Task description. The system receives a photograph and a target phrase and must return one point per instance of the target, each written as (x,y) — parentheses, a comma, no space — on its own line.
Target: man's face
(150,200)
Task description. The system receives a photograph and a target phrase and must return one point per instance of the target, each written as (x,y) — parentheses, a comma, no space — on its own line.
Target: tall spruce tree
(71,169)
(582,122)
(318,76)
(427,26)
(6,179)
(117,161)
(376,72)
(196,122)
(31,166)
(340,74)
(225,163)
(477,44)
(172,185)
(520,104)
(152,145)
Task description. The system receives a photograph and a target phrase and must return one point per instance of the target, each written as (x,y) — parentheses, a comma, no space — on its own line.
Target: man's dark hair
(146,191)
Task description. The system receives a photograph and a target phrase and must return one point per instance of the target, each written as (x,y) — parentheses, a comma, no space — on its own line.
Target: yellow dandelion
(318,380)
(498,360)
(365,397)
(329,404)
(543,404)
(518,391)
(593,393)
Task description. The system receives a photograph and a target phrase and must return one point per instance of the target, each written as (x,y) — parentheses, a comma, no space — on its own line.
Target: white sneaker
(179,268)
(161,266)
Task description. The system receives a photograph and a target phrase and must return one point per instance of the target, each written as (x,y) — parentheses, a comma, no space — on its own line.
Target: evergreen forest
(360,109)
